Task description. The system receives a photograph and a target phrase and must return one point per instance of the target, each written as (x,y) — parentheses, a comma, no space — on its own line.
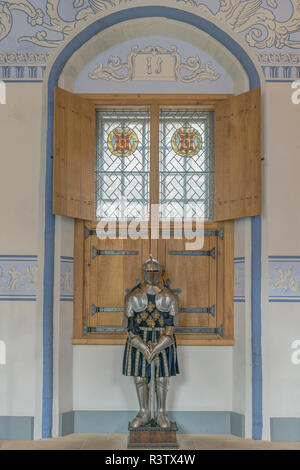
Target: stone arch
(143,28)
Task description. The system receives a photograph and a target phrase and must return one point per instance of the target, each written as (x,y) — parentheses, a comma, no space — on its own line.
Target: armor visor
(152,271)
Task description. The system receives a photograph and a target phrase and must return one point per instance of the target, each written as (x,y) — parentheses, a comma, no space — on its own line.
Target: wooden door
(112,267)
(194,274)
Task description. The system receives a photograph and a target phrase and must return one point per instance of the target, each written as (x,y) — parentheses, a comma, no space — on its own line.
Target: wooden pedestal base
(152,435)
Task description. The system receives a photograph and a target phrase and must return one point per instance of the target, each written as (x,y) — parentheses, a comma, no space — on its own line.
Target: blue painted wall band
(48,286)
(285,429)
(189,422)
(16,299)
(257,420)
(275,258)
(76,43)
(18,428)
(34,257)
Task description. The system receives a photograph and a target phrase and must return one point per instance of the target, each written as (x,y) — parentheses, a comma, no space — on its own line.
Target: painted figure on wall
(150,356)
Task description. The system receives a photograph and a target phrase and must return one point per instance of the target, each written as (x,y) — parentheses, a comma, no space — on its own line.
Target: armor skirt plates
(165,363)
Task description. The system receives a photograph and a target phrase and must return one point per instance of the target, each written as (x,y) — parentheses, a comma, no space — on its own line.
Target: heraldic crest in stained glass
(122,141)
(186,141)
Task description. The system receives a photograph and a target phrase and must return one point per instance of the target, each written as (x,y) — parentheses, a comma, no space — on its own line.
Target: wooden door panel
(203,282)
(112,275)
(212,282)
(107,320)
(193,320)
(195,276)
(178,269)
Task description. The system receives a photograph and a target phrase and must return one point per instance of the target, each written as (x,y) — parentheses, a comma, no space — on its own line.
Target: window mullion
(154,166)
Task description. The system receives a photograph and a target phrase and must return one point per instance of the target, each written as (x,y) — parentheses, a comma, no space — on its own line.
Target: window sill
(181,340)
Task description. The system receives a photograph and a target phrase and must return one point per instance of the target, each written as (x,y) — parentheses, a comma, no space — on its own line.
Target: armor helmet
(152,271)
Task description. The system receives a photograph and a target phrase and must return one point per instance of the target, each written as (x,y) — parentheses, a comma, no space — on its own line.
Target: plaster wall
(20,196)
(280,319)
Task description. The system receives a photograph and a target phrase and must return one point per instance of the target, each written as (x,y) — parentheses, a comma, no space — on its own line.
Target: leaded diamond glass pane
(122,164)
(186,164)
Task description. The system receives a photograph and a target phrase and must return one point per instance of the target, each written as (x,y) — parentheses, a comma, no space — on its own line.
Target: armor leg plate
(142,389)
(161,387)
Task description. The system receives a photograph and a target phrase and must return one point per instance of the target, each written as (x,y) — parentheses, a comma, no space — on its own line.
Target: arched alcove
(157,32)
(106,31)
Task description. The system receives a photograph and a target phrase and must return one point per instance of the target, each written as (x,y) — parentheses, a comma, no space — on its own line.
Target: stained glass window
(186,164)
(185,160)
(122,164)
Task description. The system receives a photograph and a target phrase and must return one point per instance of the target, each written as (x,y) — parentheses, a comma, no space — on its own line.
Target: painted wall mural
(66,278)
(18,277)
(280,65)
(23,65)
(29,27)
(284,278)
(243,16)
(239,279)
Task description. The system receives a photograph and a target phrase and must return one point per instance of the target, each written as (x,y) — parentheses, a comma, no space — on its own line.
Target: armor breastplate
(148,312)
(163,300)
(139,300)
(150,307)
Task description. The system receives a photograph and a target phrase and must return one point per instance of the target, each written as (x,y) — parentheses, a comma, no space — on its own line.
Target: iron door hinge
(106,309)
(211,253)
(209,310)
(96,252)
(206,233)
(218,331)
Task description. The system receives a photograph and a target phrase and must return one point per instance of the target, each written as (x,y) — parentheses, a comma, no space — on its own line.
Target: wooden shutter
(238,156)
(74,156)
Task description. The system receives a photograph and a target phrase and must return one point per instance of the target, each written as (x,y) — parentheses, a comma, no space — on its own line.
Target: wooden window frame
(237,150)
(225,274)
(154,102)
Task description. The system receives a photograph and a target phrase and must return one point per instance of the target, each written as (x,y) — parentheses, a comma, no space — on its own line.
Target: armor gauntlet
(165,340)
(139,344)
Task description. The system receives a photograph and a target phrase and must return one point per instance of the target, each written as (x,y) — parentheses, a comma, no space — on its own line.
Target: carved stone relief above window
(154,63)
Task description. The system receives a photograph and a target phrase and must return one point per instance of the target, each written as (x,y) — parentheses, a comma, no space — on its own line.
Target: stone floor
(119,441)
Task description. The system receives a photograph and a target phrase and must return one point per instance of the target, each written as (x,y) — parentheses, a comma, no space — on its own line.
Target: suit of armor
(151,315)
